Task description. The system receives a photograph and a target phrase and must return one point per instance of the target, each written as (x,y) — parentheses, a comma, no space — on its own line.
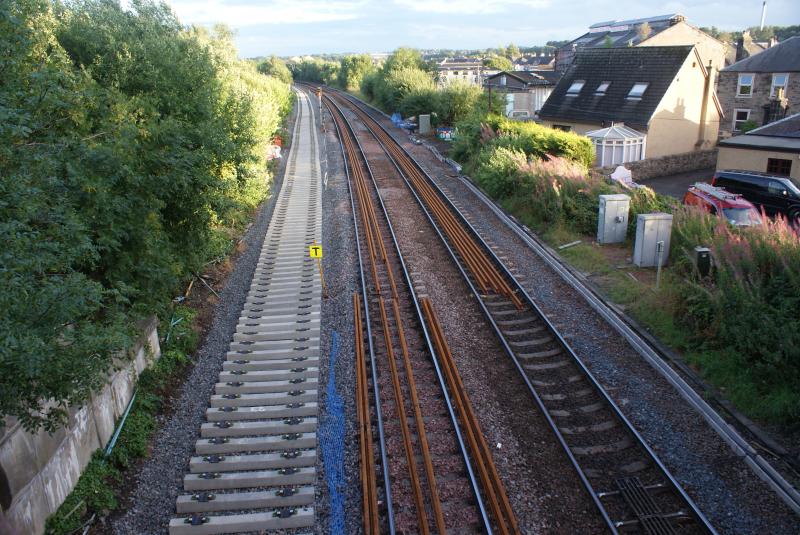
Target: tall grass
(749,311)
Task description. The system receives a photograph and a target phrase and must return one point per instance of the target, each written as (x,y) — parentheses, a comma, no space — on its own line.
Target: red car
(734,208)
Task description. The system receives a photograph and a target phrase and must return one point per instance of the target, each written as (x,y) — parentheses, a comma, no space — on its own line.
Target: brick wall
(762,85)
(667,165)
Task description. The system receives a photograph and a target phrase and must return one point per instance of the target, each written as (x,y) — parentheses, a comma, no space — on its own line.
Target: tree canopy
(128,145)
(276,68)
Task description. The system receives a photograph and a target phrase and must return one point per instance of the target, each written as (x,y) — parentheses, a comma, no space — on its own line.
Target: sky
(297,27)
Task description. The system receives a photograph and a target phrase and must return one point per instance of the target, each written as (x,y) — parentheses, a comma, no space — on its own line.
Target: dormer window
(637,90)
(575,88)
(602,88)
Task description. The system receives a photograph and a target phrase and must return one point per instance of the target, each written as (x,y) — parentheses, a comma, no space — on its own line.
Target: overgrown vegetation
(129,146)
(405,84)
(740,326)
(98,488)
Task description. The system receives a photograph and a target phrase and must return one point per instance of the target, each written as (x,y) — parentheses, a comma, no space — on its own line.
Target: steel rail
(698,516)
(373,365)
(485,521)
(493,486)
(369,491)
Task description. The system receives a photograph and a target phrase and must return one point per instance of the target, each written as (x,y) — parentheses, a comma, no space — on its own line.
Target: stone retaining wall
(38,471)
(667,165)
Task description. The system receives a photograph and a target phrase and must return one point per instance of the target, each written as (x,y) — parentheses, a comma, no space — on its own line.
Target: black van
(776,194)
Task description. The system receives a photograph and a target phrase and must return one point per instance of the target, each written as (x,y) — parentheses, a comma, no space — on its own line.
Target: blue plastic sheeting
(331,440)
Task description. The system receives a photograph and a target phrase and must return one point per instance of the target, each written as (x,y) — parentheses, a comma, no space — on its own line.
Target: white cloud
(471,7)
(240,13)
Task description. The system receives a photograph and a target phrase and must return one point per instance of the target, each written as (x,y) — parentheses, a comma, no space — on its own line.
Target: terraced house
(760,89)
(663,95)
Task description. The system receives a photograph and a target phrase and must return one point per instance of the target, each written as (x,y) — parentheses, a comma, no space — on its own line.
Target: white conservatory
(617,145)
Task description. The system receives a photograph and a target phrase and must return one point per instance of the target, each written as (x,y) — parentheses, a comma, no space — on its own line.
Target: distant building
(665,94)
(535,62)
(746,47)
(773,149)
(470,70)
(761,88)
(526,92)
(665,30)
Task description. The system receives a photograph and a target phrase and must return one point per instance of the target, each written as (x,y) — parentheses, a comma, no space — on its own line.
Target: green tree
(352,70)
(276,68)
(401,82)
(498,62)
(127,144)
(403,58)
(512,51)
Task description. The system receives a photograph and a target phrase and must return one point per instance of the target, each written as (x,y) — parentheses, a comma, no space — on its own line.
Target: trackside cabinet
(650,230)
(612,221)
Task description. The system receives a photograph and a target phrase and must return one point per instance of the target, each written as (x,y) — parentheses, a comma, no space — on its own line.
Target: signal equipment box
(612,220)
(652,230)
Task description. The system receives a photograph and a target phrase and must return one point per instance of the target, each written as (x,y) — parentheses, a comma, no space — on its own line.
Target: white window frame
(640,94)
(578,87)
(751,85)
(602,89)
(785,84)
(735,120)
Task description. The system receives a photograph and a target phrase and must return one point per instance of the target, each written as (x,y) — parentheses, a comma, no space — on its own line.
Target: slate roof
(782,136)
(626,32)
(783,57)
(623,67)
(527,77)
(786,127)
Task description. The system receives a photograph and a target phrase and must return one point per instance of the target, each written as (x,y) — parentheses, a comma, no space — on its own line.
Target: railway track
(631,488)
(254,468)
(425,465)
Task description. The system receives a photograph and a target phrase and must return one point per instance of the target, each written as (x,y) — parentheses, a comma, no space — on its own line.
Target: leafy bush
(93,492)
(126,142)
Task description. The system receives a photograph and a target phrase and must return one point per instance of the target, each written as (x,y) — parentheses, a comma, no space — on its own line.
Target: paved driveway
(676,185)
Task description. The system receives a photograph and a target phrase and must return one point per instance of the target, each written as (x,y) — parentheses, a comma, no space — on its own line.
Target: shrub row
(129,144)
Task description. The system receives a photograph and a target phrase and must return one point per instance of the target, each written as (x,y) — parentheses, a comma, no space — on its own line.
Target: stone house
(761,88)
(665,30)
(663,95)
(773,149)
(525,92)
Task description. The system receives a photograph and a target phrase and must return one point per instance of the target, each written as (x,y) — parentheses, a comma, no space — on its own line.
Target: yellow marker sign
(315,251)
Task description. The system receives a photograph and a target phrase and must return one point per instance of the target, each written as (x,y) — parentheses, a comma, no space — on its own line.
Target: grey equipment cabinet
(612,221)
(651,229)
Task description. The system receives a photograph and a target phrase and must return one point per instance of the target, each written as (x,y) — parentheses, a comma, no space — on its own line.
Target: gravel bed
(724,487)
(160,478)
(545,493)
(340,265)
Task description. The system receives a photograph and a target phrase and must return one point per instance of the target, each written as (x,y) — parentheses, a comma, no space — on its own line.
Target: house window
(575,88)
(779,81)
(503,80)
(564,127)
(637,90)
(602,88)
(778,166)
(744,87)
(740,117)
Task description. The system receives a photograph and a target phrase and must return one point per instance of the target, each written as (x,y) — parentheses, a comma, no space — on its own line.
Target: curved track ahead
(629,485)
